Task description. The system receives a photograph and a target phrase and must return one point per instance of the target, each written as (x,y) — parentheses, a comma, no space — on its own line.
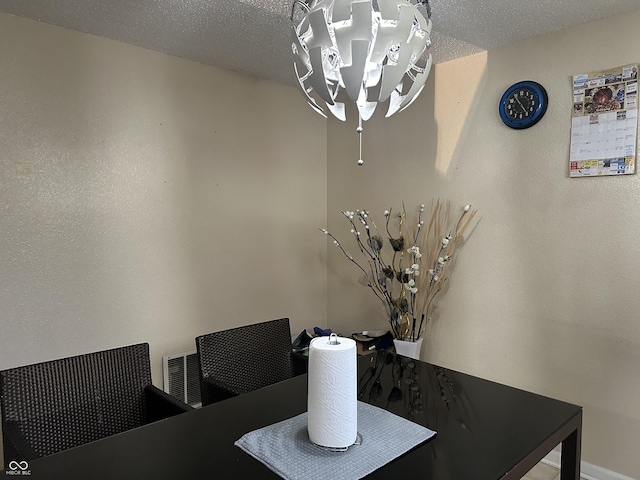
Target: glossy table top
(484,429)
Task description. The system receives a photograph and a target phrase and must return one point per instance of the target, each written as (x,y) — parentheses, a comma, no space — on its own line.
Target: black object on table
(485,430)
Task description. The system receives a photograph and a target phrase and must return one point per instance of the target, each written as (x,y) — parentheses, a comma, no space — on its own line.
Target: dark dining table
(485,430)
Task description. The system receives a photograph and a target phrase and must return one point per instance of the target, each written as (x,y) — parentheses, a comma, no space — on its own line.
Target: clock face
(523,104)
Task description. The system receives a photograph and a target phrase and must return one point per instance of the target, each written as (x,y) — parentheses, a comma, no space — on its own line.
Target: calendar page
(604,123)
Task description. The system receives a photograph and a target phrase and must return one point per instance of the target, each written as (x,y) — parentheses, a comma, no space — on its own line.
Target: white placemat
(285,448)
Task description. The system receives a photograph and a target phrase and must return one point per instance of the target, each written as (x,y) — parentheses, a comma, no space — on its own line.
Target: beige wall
(168,199)
(544,294)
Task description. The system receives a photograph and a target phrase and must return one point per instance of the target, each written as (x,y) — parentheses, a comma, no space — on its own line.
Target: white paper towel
(332,404)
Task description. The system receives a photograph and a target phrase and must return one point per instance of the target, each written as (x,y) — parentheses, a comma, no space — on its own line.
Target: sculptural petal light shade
(364,51)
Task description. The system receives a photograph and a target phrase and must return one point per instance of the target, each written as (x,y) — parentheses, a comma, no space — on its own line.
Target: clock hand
(524,110)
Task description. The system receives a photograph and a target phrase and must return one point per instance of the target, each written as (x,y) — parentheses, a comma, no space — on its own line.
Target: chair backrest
(68,402)
(248,357)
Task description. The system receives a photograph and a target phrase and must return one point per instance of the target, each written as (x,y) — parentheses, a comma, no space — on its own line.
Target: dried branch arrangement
(397,277)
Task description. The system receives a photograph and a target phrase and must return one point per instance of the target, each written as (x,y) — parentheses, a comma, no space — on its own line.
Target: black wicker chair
(56,405)
(239,360)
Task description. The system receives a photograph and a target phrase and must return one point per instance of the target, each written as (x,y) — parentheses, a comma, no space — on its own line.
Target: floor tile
(542,471)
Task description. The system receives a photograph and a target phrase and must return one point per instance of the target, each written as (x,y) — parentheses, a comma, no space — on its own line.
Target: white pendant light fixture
(368,52)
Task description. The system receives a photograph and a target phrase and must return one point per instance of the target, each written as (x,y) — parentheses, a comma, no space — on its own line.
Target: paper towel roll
(332,405)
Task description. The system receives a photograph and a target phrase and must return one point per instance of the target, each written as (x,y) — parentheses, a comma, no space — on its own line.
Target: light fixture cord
(359,130)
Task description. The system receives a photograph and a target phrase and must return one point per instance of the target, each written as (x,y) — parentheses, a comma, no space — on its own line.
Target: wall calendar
(604,123)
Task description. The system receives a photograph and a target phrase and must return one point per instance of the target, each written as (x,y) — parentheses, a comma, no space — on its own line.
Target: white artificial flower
(408,271)
(411,283)
(445,241)
(440,260)
(414,290)
(435,278)
(431,271)
(415,266)
(418,255)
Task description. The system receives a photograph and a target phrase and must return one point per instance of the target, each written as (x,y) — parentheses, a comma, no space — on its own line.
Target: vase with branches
(408,276)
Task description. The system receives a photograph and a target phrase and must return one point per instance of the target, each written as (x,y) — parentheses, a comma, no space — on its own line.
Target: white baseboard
(587,470)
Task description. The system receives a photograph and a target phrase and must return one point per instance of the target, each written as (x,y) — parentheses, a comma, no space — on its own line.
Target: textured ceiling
(253,36)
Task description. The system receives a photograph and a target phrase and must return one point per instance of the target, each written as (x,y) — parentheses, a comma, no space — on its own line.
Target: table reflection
(421,392)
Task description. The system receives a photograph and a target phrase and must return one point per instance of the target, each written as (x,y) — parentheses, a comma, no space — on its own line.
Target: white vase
(408,349)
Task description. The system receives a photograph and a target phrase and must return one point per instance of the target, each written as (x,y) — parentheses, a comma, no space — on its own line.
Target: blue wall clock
(523,104)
